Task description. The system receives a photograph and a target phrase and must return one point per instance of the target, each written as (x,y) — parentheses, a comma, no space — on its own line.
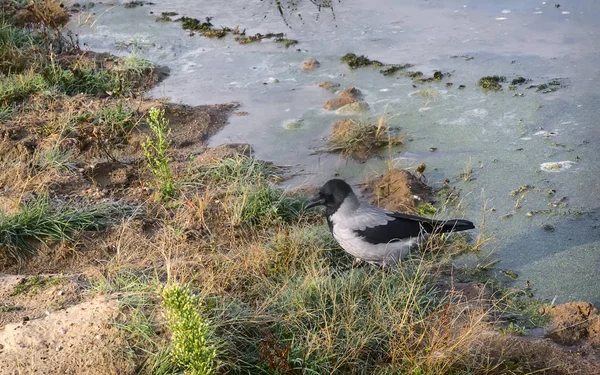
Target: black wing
(405,226)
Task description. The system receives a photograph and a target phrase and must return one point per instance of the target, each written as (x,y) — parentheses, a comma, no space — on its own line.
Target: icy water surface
(506,137)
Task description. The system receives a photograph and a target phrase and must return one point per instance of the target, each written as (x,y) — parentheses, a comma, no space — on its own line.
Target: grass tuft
(359,140)
(39,223)
(239,169)
(265,205)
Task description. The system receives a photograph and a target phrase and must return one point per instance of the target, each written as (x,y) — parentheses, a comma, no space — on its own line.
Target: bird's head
(331,195)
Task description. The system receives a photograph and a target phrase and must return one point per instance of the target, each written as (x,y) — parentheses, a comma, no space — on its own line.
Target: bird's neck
(346,208)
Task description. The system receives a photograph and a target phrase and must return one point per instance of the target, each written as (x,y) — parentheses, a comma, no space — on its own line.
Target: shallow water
(506,137)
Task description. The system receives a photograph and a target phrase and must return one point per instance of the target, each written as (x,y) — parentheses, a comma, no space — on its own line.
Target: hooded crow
(372,234)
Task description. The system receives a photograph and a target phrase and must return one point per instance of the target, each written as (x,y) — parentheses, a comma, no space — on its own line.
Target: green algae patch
(491,83)
(354,62)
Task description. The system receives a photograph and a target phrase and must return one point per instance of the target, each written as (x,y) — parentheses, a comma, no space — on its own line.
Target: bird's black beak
(315,202)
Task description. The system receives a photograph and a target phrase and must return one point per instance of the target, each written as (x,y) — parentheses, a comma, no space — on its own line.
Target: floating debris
(556,166)
(548,228)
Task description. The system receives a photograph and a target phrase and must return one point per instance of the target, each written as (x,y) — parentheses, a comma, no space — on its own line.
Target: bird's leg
(357,262)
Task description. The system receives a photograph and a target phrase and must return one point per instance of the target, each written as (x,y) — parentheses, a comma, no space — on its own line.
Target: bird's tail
(456,225)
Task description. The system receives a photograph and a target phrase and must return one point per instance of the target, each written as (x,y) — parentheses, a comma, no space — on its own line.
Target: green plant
(239,169)
(38,222)
(35,284)
(119,118)
(55,158)
(265,205)
(81,80)
(194,346)
(155,150)
(426,209)
(16,87)
(513,329)
(19,48)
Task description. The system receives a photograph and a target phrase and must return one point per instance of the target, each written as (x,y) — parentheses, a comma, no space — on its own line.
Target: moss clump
(518,81)
(437,75)
(491,83)
(389,70)
(354,62)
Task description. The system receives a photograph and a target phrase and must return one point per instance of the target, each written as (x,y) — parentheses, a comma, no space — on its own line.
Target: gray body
(354,215)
